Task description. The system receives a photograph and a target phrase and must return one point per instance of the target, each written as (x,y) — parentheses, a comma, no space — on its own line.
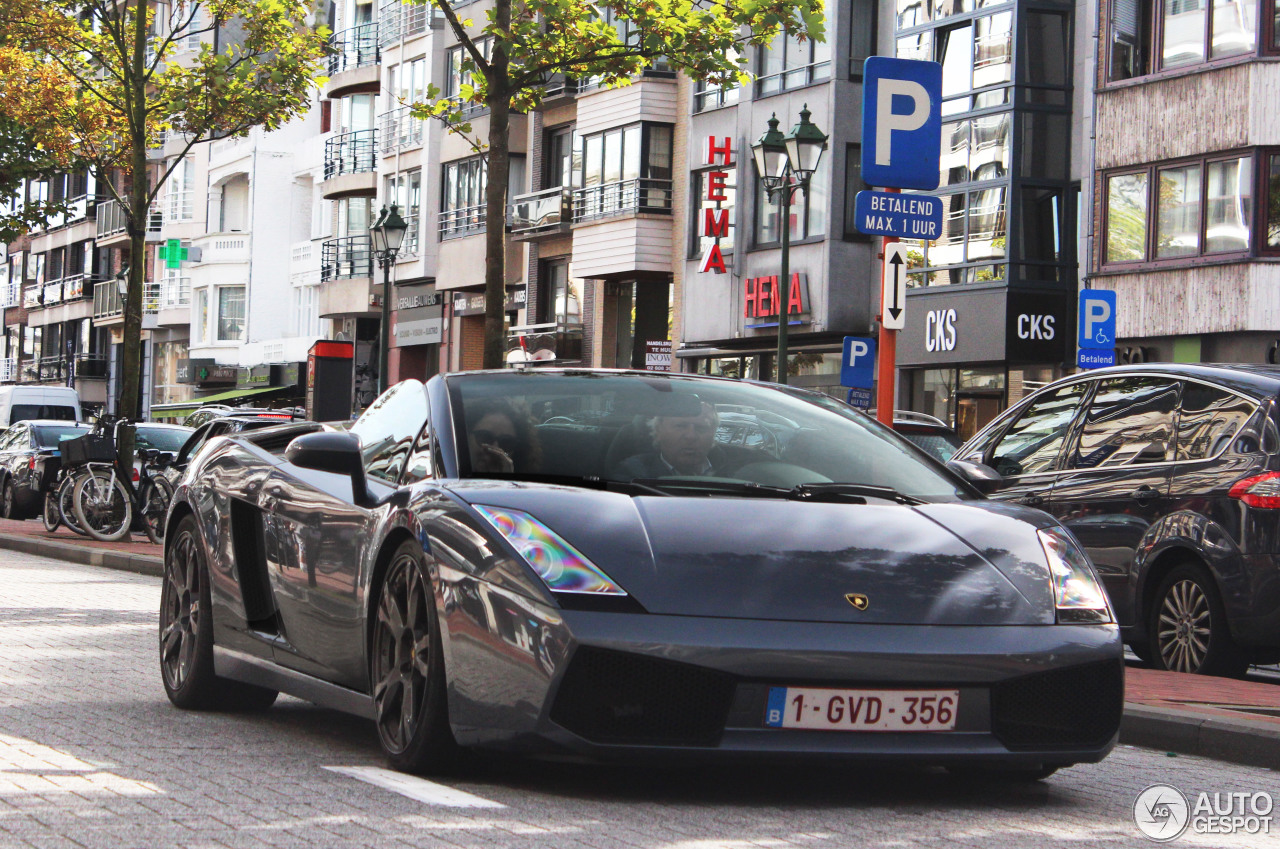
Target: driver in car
(684,446)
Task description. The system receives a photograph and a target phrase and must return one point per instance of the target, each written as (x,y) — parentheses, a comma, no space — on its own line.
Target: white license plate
(862,710)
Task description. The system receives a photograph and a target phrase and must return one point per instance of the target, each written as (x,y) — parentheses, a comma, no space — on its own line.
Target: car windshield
(49,436)
(685,432)
(164,438)
(25,412)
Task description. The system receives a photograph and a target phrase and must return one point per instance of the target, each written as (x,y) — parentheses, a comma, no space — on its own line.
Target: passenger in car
(501,437)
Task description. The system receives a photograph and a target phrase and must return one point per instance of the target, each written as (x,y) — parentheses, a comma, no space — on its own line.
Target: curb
(1251,742)
(141,564)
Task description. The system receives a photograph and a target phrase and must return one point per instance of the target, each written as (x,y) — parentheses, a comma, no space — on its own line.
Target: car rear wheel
(52,518)
(407,669)
(186,634)
(1188,626)
(8,501)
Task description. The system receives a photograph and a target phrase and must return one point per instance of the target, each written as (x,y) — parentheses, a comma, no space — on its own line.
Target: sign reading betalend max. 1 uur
(897,215)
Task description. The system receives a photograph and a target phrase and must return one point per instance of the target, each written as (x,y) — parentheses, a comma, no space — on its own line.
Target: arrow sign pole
(892,319)
(896,310)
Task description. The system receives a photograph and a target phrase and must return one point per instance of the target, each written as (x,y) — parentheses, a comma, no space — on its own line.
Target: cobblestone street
(93,755)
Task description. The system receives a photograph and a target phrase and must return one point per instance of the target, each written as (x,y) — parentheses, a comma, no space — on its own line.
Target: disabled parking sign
(1097,328)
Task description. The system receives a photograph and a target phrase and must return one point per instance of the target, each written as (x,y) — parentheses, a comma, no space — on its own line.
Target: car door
(1026,452)
(16,449)
(316,538)
(1115,479)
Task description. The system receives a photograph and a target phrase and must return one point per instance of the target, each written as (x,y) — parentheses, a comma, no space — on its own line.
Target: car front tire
(186,634)
(406,669)
(1188,626)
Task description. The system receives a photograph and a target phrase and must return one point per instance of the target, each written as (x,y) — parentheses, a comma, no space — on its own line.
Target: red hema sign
(715,220)
(761,296)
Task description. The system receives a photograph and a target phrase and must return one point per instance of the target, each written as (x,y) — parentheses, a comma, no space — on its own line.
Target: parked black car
(29,462)
(1169,476)
(222,425)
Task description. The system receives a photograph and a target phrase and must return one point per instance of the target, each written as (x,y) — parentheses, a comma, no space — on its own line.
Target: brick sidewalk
(1222,697)
(34,529)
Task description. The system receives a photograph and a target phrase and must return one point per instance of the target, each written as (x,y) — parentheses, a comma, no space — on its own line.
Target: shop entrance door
(974,410)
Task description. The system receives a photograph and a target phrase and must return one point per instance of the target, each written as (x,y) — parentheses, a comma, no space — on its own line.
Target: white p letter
(887,121)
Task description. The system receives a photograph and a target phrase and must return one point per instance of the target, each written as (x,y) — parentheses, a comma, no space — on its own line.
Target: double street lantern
(387,234)
(786,162)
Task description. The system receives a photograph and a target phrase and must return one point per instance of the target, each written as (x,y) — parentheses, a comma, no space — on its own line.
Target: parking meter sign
(901,123)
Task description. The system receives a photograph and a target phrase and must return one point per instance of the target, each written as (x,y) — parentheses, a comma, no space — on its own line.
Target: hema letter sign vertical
(901,123)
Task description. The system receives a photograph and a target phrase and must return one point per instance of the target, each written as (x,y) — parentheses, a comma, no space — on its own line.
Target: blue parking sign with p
(901,123)
(858,366)
(1097,318)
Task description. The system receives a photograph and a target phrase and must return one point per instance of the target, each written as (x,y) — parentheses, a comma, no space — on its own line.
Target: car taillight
(1259,491)
(31,464)
(136,476)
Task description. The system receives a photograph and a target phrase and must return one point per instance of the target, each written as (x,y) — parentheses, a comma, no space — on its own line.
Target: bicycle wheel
(154,497)
(104,510)
(66,505)
(50,513)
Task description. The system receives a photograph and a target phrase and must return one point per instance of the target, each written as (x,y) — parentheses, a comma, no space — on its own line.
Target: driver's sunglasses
(506,442)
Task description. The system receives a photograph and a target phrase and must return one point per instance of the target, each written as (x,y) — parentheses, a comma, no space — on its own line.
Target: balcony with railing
(640,195)
(400,130)
(31,297)
(350,165)
(560,86)
(545,343)
(112,220)
(73,286)
(541,213)
(354,55)
(223,248)
(399,19)
(52,293)
(90,366)
(304,264)
(52,369)
(463,221)
(347,257)
(107,303)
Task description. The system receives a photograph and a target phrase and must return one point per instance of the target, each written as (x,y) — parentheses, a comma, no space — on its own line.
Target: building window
(1273,200)
(561,293)
(808,209)
(306,310)
(624,169)
(405,190)
(200,317)
(462,207)
(557,156)
(711,94)
(853,183)
(789,63)
(231,313)
(1190,32)
(179,191)
(461,69)
(1178,210)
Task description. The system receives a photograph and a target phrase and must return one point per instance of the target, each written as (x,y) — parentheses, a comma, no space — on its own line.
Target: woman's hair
(528,454)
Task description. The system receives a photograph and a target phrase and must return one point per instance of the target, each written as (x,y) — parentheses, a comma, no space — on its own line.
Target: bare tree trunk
(498,100)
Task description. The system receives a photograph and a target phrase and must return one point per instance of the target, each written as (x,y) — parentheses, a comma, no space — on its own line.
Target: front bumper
(682,689)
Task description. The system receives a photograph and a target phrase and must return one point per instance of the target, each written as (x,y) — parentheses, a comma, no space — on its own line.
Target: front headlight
(560,566)
(1076,592)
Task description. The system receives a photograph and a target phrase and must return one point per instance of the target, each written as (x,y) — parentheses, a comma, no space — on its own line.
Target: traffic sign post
(1096,334)
(901,149)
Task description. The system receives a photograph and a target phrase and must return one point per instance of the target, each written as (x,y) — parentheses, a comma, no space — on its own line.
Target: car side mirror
(328,451)
(981,477)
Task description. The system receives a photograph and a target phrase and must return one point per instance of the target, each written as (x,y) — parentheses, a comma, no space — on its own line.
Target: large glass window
(1190,32)
(231,314)
(790,63)
(562,293)
(460,74)
(710,94)
(405,190)
(462,208)
(1130,421)
(1032,443)
(1200,207)
(180,191)
(625,168)
(1273,200)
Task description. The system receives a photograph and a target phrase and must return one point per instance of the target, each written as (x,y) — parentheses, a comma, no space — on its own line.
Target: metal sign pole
(887,348)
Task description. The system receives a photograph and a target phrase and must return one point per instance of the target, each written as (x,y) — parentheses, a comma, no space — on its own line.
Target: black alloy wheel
(407,668)
(1188,626)
(52,518)
(7,496)
(186,634)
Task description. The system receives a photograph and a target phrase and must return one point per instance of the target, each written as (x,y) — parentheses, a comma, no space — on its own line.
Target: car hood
(945,564)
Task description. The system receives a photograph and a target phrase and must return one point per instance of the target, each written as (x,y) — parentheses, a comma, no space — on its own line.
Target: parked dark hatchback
(30,456)
(1169,476)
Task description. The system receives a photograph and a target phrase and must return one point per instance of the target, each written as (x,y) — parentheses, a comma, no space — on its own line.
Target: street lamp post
(786,163)
(388,235)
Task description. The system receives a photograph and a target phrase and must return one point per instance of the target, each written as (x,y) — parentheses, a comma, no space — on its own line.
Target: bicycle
(59,508)
(107,505)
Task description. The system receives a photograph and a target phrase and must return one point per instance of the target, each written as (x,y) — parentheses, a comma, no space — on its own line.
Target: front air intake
(1076,708)
(620,698)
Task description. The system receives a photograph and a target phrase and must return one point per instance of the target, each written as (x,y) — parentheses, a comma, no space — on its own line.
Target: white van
(20,403)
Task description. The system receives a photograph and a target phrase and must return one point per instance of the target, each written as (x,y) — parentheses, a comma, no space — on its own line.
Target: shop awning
(185,407)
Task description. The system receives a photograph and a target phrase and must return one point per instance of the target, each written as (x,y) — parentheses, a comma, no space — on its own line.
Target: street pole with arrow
(892,319)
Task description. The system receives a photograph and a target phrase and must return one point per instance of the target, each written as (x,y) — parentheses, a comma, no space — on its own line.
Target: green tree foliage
(523,45)
(100,82)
